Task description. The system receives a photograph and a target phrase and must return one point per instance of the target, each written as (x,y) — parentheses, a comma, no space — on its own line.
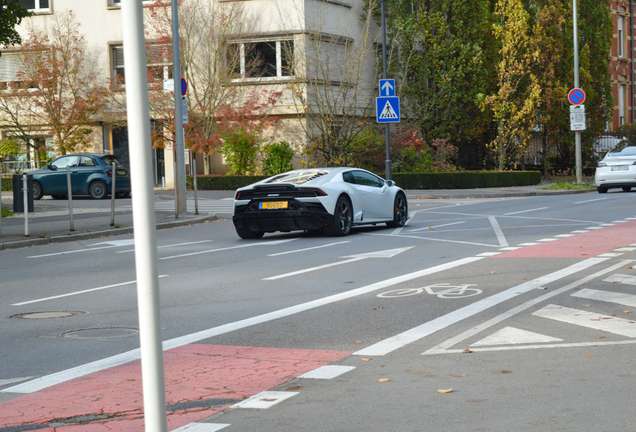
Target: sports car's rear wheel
(342,218)
(248,234)
(400,212)
(626,188)
(601,189)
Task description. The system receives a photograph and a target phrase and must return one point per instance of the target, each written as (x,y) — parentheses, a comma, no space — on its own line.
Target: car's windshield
(110,159)
(622,150)
(297,177)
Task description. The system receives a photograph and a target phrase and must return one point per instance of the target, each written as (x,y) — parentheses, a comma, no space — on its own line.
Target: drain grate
(47,314)
(101,333)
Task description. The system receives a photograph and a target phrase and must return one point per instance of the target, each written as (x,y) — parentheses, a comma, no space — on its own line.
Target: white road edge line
(172,245)
(79,292)
(263,243)
(526,211)
(400,340)
(119,359)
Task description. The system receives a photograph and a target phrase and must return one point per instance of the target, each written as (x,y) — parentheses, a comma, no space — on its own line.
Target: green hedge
(7,183)
(449,180)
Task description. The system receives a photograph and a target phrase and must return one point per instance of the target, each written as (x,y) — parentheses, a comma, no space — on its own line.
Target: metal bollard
(25,195)
(194,174)
(112,196)
(70,196)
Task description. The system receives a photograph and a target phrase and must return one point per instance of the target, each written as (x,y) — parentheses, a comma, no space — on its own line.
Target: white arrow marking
(265,243)
(511,336)
(390,253)
(387,85)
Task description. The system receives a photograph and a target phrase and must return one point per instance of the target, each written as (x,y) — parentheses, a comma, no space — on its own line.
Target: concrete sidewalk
(50,222)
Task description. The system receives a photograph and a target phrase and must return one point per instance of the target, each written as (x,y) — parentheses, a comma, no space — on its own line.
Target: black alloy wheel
(38,193)
(97,190)
(400,212)
(601,189)
(248,234)
(342,218)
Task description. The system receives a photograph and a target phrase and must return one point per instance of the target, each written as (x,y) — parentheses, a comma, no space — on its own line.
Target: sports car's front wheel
(342,218)
(248,234)
(400,212)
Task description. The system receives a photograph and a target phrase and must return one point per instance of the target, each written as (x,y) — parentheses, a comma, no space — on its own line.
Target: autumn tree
(514,104)
(206,30)
(57,90)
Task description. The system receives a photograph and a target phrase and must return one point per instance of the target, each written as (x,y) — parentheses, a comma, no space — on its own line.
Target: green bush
(277,158)
(443,180)
(7,184)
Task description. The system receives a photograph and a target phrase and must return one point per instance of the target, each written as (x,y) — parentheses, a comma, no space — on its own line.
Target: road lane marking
(258,243)
(119,359)
(398,341)
(171,245)
(4,382)
(79,292)
(498,232)
(380,254)
(76,251)
(512,336)
(307,249)
(607,296)
(434,239)
(436,226)
(609,324)
(202,427)
(444,347)
(622,278)
(327,372)
(524,347)
(526,211)
(265,399)
(589,201)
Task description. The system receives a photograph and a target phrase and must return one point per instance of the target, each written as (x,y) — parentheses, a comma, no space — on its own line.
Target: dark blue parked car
(91,174)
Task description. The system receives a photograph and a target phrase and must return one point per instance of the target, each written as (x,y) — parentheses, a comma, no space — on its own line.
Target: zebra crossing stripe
(587,319)
(607,296)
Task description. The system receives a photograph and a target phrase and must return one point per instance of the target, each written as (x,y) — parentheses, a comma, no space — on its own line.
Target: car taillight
(602,164)
(238,196)
(109,173)
(311,192)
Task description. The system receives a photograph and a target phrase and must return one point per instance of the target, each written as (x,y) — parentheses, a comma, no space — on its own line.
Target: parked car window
(365,179)
(348,177)
(65,161)
(623,151)
(87,161)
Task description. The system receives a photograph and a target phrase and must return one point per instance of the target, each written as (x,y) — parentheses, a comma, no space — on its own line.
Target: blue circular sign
(576,96)
(184,86)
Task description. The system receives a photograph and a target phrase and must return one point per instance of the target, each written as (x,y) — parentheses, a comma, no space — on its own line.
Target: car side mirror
(52,167)
(390,183)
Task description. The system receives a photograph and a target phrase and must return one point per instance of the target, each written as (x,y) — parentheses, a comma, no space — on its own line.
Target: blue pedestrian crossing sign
(387,87)
(387,109)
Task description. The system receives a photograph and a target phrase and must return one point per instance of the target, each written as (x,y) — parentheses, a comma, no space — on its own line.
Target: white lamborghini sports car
(328,199)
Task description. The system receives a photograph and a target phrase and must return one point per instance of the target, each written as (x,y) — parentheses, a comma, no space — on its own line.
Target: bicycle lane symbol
(441,290)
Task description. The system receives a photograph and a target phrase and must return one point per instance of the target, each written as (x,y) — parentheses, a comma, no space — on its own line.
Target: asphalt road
(492,314)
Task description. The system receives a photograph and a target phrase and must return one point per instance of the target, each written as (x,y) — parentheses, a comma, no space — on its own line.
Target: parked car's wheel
(342,218)
(248,234)
(97,190)
(58,197)
(124,194)
(38,192)
(400,212)
(626,189)
(601,189)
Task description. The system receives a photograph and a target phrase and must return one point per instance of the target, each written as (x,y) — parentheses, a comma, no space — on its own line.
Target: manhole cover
(47,314)
(101,333)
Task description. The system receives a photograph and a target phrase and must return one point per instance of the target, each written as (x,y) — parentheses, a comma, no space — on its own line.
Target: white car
(617,169)
(328,199)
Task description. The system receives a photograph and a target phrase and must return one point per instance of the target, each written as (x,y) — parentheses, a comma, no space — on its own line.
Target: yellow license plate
(121,172)
(273,205)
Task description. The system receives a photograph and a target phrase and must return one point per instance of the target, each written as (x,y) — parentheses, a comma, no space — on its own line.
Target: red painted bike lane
(201,380)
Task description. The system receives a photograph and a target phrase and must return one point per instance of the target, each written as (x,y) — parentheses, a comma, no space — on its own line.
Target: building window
(621,37)
(267,59)
(118,2)
(117,56)
(621,104)
(158,61)
(37,5)
(9,68)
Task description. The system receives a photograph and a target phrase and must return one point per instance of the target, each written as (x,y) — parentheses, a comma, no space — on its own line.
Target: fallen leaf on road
(358,341)
(467,351)
(459,376)
(431,228)
(445,390)
(589,355)
(506,371)
(542,288)
(384,380)
(625,311)
(587,305)
(492,272)
(628,267)
(367,359)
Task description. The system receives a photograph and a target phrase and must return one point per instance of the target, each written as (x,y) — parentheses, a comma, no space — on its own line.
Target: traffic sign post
(387,109)
(387,87)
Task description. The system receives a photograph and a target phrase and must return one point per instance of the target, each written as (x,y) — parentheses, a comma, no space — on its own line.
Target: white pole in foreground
(144,219)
